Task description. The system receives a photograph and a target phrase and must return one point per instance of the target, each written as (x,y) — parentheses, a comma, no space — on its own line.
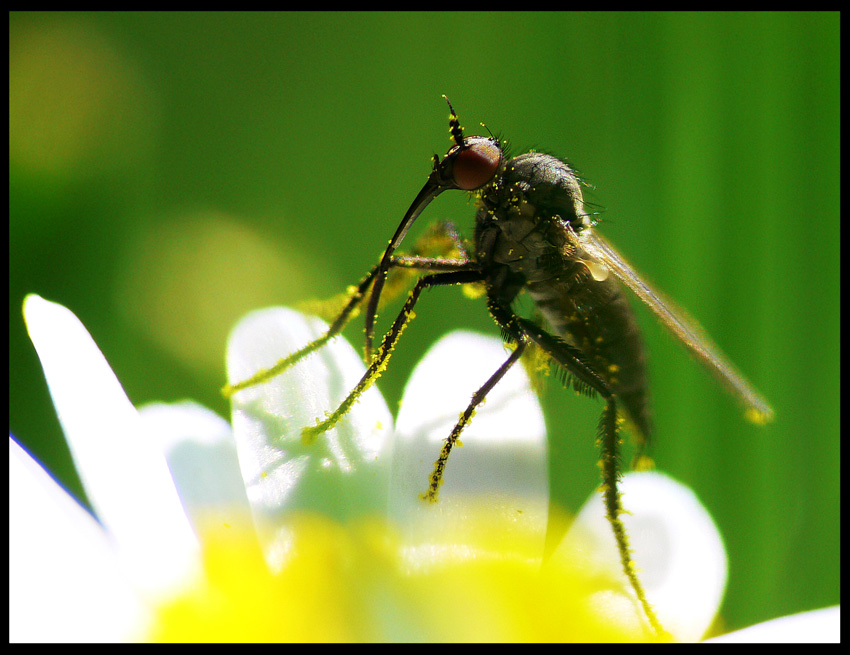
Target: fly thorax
(522,236)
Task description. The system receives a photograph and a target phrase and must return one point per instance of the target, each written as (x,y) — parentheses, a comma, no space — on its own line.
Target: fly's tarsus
(264,375)
(609,427)
(436,478)
(288,362)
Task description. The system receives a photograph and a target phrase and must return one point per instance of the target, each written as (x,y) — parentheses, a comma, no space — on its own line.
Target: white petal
(201,454)
(65,582)
(503,458)
(676,547)
(345,472)
(816,627)
(123,471)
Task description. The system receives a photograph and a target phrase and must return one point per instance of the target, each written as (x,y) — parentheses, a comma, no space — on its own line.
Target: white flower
(327,541)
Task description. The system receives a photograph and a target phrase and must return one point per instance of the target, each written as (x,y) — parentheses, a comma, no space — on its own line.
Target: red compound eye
(476,164)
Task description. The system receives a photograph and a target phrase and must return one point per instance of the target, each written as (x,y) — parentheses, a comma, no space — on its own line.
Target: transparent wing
(685,328)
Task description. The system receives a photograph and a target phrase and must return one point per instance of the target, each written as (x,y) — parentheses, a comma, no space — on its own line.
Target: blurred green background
(170,172)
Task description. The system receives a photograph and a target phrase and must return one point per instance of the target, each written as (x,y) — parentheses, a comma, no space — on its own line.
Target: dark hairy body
(522,242)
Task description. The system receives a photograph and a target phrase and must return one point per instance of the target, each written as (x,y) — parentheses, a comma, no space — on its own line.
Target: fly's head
(471,163)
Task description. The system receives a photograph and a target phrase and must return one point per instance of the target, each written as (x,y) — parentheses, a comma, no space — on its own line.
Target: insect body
(526,238)
(532,234)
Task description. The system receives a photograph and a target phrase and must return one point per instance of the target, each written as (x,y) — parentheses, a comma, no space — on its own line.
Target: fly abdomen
(595,317)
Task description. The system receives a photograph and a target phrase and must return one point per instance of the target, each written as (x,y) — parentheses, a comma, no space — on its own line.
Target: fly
(533,235)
